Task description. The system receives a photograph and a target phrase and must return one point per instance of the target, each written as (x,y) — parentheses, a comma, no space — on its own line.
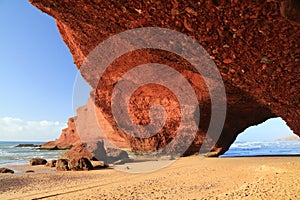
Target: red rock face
(68,138)
(255,48)
(291,10)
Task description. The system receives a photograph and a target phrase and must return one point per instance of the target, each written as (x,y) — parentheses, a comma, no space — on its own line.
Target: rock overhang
(255,48)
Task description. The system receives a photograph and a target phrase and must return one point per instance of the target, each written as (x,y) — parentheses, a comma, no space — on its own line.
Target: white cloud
(15,129)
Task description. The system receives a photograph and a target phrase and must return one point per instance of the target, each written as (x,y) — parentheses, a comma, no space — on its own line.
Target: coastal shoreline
(191,177)
(22,168)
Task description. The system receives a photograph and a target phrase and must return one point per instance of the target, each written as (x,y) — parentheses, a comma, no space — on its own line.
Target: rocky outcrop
(67,139)
(80,164)
(89,131)
(82,158)
(6,170)
(37,161)
(28,145)
(117,155)
(96,152)
(254,44)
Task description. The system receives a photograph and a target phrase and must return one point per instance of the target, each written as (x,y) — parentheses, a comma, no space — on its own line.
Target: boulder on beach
(80,164)
(37,161)
(80,158)
(62,165)
(98,151)
(114,154)
(6,170)
(95,156)
(108,155)
(51,163)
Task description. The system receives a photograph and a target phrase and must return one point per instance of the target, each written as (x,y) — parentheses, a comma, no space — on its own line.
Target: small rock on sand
(6,170)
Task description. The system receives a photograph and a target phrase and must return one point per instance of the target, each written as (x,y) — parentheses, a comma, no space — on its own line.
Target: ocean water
(12,155)
(273,148)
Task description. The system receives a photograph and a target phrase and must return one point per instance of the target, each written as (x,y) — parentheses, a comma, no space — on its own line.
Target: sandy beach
(187,178)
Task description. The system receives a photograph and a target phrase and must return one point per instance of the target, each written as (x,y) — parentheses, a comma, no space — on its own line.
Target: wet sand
(186,178)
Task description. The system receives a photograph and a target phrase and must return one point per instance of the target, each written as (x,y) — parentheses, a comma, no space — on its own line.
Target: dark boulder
(6,170)
(62,165)
(37,161)
(80,164)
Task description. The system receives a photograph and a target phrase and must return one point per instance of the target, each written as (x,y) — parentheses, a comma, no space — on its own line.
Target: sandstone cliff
(254,44)
(68,138)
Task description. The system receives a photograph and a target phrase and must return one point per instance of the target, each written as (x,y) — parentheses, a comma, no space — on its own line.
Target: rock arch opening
(270,138)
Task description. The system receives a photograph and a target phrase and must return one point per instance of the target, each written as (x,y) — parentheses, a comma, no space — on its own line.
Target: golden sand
(187,178)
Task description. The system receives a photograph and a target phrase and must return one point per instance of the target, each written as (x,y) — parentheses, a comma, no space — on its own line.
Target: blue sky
(37,76)
(36,69)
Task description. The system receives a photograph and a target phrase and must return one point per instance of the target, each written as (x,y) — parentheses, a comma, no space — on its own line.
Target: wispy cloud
(16,129)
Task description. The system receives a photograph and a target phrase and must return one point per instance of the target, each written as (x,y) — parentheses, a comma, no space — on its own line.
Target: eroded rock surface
(255,48)
(78,151)
(68,138)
